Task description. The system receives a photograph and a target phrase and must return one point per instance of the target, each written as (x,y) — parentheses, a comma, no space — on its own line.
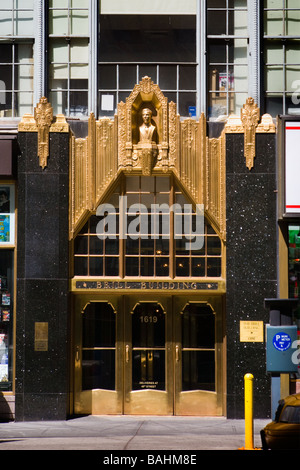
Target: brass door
(198,356)
(148,378)
(98,387)
(151,355)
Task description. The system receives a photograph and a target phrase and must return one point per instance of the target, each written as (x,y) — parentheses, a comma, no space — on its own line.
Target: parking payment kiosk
(281,347)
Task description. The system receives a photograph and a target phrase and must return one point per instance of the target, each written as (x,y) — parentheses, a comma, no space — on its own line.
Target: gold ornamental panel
(147,136)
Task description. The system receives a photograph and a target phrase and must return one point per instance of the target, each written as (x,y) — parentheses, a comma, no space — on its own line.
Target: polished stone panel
(251,266)
(42,279)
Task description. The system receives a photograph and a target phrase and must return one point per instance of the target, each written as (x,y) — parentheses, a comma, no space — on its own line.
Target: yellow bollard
(249,442)
(248,380)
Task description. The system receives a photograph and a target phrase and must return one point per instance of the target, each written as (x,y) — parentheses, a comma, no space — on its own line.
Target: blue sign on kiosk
(280,348)
(282,341)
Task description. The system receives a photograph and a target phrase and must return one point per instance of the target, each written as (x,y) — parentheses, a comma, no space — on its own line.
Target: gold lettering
(99,285)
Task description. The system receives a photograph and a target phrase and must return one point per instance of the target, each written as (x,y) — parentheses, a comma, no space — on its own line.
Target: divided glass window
(68,56)
(16,63)
(16,78)
(281,56)
(148,228)
(227,47)
(162,47)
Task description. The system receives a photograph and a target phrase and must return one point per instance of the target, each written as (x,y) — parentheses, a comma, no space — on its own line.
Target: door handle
(127,353)
(177,353)
(77,354)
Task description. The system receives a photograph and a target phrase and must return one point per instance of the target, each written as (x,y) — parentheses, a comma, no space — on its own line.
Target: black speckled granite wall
(251,265)
(42,279)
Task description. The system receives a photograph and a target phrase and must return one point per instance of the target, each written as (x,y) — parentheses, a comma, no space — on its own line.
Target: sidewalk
(128,433)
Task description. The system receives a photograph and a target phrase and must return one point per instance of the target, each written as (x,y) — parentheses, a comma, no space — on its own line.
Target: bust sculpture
(147,145)
(148,132)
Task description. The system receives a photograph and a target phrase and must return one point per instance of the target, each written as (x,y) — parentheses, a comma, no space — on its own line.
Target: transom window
(145,238)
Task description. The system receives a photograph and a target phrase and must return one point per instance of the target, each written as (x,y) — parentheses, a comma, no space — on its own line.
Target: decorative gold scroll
(43,122)
(43,115)
(248,124)
(250,118)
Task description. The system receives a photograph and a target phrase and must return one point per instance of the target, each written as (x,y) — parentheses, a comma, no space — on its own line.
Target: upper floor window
(16,79)
(68,56)
(282,56)
(17,18)
(16,58)
(162,47)
(227,39)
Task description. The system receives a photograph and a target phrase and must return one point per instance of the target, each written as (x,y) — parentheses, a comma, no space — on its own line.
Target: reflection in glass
(214,267)
(98,369)
(198,370)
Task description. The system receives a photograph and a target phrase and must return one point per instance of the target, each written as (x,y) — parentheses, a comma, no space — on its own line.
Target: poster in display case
(7,214)
(3,357)
(6,314)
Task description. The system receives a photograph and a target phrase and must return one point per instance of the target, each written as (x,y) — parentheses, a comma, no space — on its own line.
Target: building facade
(149,204)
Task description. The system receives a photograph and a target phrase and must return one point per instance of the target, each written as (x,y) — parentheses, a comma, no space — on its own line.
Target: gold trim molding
(43,115)
(248,124)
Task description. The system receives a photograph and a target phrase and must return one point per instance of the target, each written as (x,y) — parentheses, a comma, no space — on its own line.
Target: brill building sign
(151,285)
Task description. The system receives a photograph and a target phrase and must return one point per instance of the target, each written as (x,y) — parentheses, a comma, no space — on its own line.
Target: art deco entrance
(148,354)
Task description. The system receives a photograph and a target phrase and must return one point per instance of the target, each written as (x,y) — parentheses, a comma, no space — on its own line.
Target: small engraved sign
(41,336)
(252,331)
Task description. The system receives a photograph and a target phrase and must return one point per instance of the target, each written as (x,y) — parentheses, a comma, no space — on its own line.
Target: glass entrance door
(98,377)
(157,356)
(198,356)
(148,363)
